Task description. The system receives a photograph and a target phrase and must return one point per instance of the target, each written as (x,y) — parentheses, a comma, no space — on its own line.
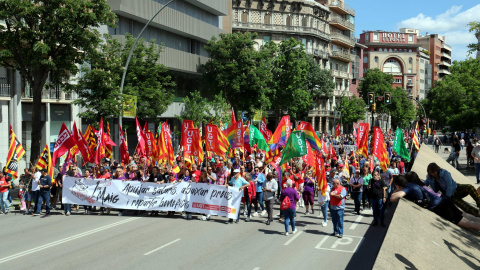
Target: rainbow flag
(280,137)
(310,135)
(234,134)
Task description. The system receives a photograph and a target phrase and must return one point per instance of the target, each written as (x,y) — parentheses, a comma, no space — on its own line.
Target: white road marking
(166,245)
(321,242)
(355,223)
(68,239)
(256,268)
(435,243)
(294,237)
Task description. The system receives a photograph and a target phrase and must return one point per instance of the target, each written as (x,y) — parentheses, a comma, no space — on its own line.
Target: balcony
(281,28)
(339,93)
(342,74)
(445,63)
(320,53)
(444,71)
(409,84)
(342,8)
(446,47)
(342,56)
(55,93)
(340,23)
(4,87)
(446,55)
(318,113)
(343,40)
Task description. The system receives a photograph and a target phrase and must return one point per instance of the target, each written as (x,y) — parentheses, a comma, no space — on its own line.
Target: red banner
(186,124)
(362,140)
(211,138)
(192,142)
(309,158)
(320,173)
(140,138)
(149,144)
(337,130)
(82,145)
(379,148)
(124,155)
(100,144)
(63,144)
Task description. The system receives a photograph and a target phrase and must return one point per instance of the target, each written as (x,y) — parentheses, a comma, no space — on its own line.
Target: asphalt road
(100,242)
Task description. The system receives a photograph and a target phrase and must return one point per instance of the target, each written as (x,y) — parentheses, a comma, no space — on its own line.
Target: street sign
(424,120)
(380,99)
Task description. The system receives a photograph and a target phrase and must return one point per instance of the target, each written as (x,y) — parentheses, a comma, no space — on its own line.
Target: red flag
(124,155)
(309,158)
(149,144)
(332,153)
(140,138)
(320,173)
(233,121)
(355,132)
(192,143)
(267,134)
(324,148)
(186,124)
(63,144)
(82,144)
(379,148)
(362,141)
(337,130)
(100,153)
(372,164)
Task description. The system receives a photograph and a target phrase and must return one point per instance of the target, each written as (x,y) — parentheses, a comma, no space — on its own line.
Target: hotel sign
(393,37)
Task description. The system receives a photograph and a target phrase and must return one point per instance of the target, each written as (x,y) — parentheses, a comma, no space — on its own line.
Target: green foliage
(200,110)
(99,88)
(44,36)
(402,110)
(289,71)
(352,109)
(319,81)
(455,100)
(238,71)
(475,28)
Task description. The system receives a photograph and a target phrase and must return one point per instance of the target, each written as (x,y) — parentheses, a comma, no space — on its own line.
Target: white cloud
(452,24)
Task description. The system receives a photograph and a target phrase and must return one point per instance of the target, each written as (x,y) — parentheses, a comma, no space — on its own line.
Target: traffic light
(388,98)
(371,98)
(374,107)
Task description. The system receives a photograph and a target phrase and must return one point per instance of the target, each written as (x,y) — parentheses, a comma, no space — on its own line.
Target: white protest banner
(135,195)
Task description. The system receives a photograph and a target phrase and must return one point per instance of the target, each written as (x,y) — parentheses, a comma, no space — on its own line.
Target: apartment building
(440,54)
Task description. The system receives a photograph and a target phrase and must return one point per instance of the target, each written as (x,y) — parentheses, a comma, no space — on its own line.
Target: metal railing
(53,93)
(340,20)
(446,46)
(282,28)
(343,6)
(446,55)
(343,54)
(320,53)
(445,63)
(5,88)
(343,38)
(445,71)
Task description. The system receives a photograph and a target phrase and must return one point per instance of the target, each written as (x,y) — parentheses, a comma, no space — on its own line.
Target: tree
(289,71)
(49,37)
(319,81)
(201,110)
(402,108)
(474,47)
(352,109)
(99,88)
(238,71)
(455,100)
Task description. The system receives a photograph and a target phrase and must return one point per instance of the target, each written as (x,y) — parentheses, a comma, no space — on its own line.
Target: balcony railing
(341,21)
(341,74)
(445,71)
(344,55)
(320,53)
(409,83)
(445,63)
(55,93)
(343,6)
(446,55)
(5,89)
(283,28)
(343,38)
(446,46)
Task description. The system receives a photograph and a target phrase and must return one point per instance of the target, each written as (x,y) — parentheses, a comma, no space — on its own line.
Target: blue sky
(449,18)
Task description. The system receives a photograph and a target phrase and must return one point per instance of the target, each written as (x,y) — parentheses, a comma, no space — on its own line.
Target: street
(92,242)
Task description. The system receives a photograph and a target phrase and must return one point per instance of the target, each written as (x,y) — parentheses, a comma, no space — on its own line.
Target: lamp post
(128,62)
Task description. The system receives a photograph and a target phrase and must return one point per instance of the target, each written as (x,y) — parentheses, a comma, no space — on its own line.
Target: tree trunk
(37,124)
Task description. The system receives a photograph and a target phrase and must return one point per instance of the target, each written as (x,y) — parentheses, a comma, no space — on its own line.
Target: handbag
(285,204)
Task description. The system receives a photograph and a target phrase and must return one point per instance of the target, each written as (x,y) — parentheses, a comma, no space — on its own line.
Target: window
(409,80)
(268,19)
(289,20)
(244,17)
(266,39)
(367,37)
(410,60)
(390,50)
(409,70)
(381,50)
(375,36)
(376,59)
(410,38)
(398,80)
(365,59)
(304,21)
(392,66)
(364,70)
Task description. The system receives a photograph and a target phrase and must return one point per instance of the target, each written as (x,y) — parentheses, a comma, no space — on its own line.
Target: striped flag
(415,137)
(15,152)
(45,161)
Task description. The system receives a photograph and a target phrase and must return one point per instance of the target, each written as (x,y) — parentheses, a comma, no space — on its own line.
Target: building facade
(357,68)
(424,78)
(440,54)
(394,53)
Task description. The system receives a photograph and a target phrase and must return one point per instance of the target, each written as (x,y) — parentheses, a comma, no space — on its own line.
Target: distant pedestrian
(437,142)
(324,202)
(378,195)
(476,160)
(44,183)
(269,188)
(337,207)
(4,185)
(289,213)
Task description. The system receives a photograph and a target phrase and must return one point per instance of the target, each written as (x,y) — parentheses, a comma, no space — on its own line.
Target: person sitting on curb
(441,180)
(442,206)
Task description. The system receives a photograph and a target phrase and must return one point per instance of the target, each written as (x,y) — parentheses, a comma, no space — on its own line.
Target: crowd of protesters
(349,176)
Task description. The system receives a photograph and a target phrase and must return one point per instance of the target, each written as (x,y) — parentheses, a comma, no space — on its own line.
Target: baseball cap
(236,170)
(340,165)
(43,170)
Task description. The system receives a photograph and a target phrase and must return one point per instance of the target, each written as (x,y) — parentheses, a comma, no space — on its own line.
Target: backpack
(285,204)
(425,202)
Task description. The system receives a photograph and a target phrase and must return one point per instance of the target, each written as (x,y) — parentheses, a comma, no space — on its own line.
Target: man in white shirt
(35,185)
(476,159)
